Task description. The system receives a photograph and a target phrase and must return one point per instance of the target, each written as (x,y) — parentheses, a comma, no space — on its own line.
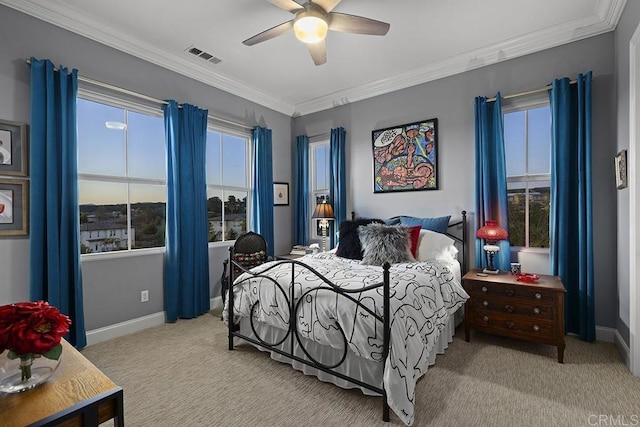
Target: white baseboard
(134,325)
(623,348)
(605,334)
(216,303)
(613,336)
(123,328)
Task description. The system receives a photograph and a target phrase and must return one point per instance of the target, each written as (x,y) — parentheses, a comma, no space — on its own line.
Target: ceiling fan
(311,22)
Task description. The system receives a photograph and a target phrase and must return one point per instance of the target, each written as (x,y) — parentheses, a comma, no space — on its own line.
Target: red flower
(31,327)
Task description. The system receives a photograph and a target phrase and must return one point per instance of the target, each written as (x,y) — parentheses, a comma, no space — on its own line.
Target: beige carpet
(183,375)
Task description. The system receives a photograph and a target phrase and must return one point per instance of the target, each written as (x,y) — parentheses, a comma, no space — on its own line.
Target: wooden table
(77,394)
(499,304)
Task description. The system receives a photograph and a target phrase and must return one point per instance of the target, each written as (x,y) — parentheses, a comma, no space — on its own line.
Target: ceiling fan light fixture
(310,28)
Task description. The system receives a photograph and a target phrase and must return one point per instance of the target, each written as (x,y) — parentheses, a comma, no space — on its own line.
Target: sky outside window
(101,151)
(146,146)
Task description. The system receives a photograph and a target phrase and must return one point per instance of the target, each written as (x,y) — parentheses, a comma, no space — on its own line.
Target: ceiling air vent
(206,56)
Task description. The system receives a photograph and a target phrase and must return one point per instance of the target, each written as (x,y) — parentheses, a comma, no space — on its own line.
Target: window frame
(112,101)
(314,192)
(88,94)
(512,106)
(213,126)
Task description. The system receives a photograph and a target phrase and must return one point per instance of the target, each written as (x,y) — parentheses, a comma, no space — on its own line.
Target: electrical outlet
(144,296)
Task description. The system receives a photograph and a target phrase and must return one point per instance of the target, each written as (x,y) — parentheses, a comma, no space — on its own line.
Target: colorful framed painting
(13,148)
(14,210)
(405,157)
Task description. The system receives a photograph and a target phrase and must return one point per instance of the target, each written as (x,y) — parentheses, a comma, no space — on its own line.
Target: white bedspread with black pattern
(423,295)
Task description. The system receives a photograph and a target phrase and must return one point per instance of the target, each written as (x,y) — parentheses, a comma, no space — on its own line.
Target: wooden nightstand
(288,257)
(501,305)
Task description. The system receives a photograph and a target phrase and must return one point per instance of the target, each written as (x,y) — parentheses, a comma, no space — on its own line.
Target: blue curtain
(491,177)
(262,165)
(337,181)
(570,222)
(186,272)
(301,191)
(54,218)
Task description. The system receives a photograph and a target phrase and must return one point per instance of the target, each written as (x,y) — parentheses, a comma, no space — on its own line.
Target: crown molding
(605,18)
(99,31)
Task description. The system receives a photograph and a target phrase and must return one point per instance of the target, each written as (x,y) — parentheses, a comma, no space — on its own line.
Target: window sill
(522,249)
(101,256)
(225,244)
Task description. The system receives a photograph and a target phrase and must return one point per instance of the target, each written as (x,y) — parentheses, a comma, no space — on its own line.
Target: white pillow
(432,245)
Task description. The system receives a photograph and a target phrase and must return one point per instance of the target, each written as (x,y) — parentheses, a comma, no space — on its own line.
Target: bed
(376,328)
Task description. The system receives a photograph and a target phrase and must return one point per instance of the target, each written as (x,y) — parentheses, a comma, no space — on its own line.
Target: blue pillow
(392,221)
(439,225)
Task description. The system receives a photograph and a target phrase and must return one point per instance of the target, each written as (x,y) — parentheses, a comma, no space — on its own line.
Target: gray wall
(626,27)
(112,286)
(451,101)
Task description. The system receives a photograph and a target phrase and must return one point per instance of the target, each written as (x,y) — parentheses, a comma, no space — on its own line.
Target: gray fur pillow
(383,243)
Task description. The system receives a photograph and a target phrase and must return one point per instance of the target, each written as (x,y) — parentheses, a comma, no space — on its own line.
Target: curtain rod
(145,97)
(528,92)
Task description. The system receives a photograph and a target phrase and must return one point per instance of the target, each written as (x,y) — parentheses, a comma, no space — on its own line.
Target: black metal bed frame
(294,304)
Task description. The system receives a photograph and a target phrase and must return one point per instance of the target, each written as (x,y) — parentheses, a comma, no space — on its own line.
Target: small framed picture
(14,209)
(280,194)
(13,148)
(621,169)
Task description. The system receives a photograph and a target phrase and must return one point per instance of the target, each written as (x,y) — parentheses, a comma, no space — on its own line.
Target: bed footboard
(292,333)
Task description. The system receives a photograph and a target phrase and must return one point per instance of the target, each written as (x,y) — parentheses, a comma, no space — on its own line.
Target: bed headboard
(457,230)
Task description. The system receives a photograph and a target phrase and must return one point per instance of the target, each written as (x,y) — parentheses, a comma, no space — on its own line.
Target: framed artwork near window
(14,209)
(621,169)
(405,157)
(13,148)
(280,194)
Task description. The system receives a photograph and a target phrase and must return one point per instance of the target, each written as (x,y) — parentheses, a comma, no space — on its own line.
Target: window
(527,134)
(227,180)
(319,181)
(121,175)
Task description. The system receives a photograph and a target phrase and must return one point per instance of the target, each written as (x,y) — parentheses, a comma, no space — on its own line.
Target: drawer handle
(484,289)
(508,308)
(509,292)
(536,310)
(538,296)
(536,328)
(511,325)
(485,318)
(485,303)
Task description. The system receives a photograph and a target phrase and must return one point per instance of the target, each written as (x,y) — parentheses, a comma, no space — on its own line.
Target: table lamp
(323,212)
(491,232)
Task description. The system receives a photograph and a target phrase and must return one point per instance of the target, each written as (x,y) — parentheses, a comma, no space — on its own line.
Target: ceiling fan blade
(327,5)
(318,52)
(357,24)
(269,34)
(288,5)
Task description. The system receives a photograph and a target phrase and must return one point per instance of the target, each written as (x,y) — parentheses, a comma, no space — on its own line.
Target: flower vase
(25,372)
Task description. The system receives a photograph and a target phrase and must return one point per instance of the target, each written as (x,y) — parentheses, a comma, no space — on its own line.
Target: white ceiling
(428,39)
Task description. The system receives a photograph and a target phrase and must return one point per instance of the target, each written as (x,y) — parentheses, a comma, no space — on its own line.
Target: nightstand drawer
(513,307)
(503,290)
(512,325)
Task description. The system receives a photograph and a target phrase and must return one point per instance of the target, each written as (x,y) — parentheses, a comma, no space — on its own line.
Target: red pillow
(414,236)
